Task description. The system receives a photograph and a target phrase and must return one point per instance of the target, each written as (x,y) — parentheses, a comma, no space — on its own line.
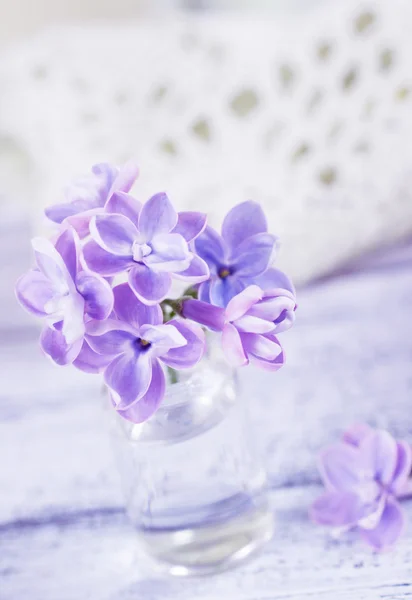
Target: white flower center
(139,251)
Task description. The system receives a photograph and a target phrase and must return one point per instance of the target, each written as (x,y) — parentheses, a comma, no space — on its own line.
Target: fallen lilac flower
(64,295)
(137,343)
(239,256)
(248,324)
(150,244)
(364,474)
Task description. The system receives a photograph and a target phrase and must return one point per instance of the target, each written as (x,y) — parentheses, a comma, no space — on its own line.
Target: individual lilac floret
(138,342)
(363,476)
(248,325)
(150,243)
(239,256)
(88,195)
(59,291)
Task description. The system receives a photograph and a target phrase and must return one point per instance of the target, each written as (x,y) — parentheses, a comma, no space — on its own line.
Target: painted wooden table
(63,532)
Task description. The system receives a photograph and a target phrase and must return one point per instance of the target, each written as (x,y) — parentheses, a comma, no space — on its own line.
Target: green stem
(173,375)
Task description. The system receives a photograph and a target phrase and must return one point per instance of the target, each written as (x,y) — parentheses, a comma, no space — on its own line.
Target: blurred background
(302,105)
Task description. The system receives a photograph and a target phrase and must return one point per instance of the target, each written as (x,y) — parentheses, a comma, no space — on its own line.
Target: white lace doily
(311,116)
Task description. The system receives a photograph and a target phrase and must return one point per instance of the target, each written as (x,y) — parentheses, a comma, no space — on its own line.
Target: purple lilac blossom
(248,324)
(363,475)
(137,343)
(88,195)
(61,292)
(151,243)
(239,256)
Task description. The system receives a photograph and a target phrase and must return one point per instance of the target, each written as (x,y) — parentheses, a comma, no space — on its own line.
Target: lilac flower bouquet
(102,286)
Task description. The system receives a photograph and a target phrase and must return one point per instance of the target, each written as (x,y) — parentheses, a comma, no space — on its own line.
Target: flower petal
(251,324)
(97,294)
(390,527)
(261,346)
(34,291)
(51,264)
(242,302)
(196,272)
(189,355)
(223,290)
(129,309)
(232,346)
(124,204)
(242,221)
(170,253)
(356,433)
(67,246)
(204,313)
(81,221)
(54,344)
(129,376)
(105,263)
(149,287)
(254,255)
(403,467)
(190,224)
(211,247)
(112,342)
(273,279)
(90,361)
(341,467)
(114,233)
(125,178)
(380,453)
(338,509)
(157,217)
(162,338)
(147,405)
(59,212)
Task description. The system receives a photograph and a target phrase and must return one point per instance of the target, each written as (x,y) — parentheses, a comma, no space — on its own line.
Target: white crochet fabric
(311,116)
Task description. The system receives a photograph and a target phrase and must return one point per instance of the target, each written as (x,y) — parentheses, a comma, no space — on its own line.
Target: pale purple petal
(125,178)
(113,342)
(106,175)
(273,279)
(97,294)
(59,212)
(124,204)
(380,453)
(261,346)
(104,263)
(242,302)
(189,355)
(210,246)
(251,324)
(162,338)
(170,253)
(50,263)
(34,291)
(389,528)
(242,221)
(157,217)
(144,408)
(130,310)
(223,290)
(356,433)
(204,313)
(204,292)
(338,509)
(403,467)
(196,272)
(341,467)
(81,221)
(54,344)
(149,287)
(271,307)
(91,362)
(129,376)
(232,346)
(72,311)
(67,246)
(190,224)
(254,255)
(114,233)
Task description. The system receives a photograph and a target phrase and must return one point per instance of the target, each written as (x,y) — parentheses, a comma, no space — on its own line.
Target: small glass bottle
(195,488)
